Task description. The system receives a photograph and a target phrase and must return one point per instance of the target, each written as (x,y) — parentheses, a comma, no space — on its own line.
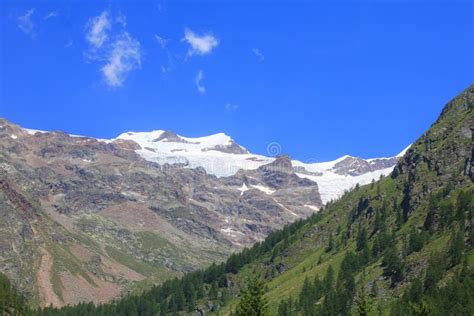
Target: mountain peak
(280,164)
(170,136)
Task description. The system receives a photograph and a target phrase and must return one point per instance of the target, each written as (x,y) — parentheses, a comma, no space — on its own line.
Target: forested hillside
(11,302)
(399,246)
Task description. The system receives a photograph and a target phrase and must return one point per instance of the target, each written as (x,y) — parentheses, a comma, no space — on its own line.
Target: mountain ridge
(108,220)
(220,155)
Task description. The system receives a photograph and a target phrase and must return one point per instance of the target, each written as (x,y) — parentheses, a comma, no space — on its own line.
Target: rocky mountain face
(85,219)
(354,166)
(221,156)
(82,219)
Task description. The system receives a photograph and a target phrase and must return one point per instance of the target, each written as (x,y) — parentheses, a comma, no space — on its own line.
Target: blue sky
(322,79)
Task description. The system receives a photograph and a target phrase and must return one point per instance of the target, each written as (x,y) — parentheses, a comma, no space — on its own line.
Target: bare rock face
(83,218)
(278,180)
(354,166)
(232,148)
(126,144)
(170,137)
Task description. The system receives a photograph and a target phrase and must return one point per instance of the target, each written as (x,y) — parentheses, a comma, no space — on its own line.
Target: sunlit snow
(201,152)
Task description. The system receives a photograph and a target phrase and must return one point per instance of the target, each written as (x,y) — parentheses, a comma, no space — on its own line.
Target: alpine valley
(90,220)
(86,219)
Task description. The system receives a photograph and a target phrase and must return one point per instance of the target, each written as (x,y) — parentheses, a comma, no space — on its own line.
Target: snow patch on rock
(263,188)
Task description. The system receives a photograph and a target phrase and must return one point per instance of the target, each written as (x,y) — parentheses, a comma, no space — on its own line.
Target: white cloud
(97,28)
(258,53)
(117,51)
(24,22)
(121,19)
(231,107)
(124,57)
(51,14)
(200,44)
(199,77)
(161,41)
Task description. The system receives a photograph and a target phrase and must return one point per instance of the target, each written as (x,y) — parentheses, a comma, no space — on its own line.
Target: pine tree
(11,303)
(253,302)
(363,307)
(330,245)
(328,280)
(434,272)
(464,204)
(224,296)
(456,248)
(361,239)
(179,299)
(375,290)
(306,297)
(415,241)
(213,292)
(393,265)
(378,220)
(285,308)
(415,292)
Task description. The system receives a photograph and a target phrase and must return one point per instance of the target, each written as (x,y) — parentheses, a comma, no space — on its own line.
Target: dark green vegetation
(11,302)
(399,246)
(252,300)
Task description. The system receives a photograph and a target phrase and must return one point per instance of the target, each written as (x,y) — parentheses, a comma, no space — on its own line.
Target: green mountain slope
(402,245)
(384,236)
(11,302)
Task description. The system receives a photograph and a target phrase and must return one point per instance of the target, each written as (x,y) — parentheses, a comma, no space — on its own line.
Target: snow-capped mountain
(123,218)
(155,200)
(221,156)
(218,154)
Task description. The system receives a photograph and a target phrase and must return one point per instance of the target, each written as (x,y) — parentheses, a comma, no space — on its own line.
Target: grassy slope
(306,257)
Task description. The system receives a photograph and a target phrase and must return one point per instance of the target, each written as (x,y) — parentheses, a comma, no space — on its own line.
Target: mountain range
(87,219)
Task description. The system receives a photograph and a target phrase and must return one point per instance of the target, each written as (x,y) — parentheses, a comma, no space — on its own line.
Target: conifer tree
(393,265)
(457,247)
(328,279)
(361,239)
(253,302)
(363,307)
(214,293)
(330,244)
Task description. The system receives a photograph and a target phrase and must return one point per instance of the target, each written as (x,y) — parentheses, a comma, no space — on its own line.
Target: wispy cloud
(124,57)
(121,19)
(114,47)
(163,42)
(25,23)
(51,14)
(258,53)
(231,107)
(199,44)
(97,28)
(199,77)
